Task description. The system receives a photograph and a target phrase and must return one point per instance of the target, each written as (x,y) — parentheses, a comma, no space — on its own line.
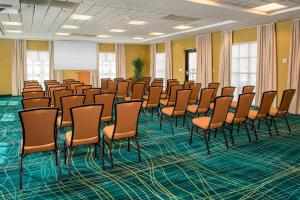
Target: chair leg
(273,119)
(95,149)
(253,127)
(160,122)
(231,134)
(110,155)
(247,130)
(258,124)
(216,131)
(21,170)
(65,153)
(176,122)
(238,129)
(225,139)
(187,123)
(152,111)
(171,125)
(268,127)
(191,136)
(69,159)
(208,135)
(102,153)
(144,112)
(138,148)
(128,145)
(57,155)
(206,142)
(287,123)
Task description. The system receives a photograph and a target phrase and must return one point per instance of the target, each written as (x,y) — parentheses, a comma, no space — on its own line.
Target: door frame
(186,52)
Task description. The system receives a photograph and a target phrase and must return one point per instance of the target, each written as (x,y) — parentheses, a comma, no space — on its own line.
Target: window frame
(114,75)
(156,64)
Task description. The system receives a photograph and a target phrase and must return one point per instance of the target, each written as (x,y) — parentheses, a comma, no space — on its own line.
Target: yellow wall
(244,35)
(160,48)
(37,45)
(6,48)
(107,47)
(178,56)
(216,54)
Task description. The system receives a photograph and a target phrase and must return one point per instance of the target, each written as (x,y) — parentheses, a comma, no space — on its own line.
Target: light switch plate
(284,60)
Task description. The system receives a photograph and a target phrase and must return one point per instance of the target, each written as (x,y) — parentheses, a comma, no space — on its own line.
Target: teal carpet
(170,168)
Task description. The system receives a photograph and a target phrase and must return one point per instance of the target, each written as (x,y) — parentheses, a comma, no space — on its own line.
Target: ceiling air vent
(54,3)
(179,18)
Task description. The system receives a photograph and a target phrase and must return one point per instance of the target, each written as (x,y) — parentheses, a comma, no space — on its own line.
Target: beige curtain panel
(152,60)
(120,60)
(225,59)
(19,73)
(54,74)
(204,59)
(169,62)
(294,67)
(94,74)
(266,75)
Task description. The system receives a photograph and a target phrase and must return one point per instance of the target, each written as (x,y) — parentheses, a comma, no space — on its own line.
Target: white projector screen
(73,55)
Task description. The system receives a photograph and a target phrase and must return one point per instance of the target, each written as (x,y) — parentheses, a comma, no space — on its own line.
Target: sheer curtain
(94,74)
(204,59)
(169,62)
(152,60)
(225,58)
(19,72)
(54,74)
(294,67)
(266,75)
(120,60)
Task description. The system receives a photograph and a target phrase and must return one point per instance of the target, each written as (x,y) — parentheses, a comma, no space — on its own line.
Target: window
(107,65)
(243,66)
(38,66)
(160,65)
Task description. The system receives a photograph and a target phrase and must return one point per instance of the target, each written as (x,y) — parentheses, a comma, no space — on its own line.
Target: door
(190,64)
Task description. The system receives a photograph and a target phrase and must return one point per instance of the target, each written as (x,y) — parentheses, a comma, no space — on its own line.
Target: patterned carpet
(170,168)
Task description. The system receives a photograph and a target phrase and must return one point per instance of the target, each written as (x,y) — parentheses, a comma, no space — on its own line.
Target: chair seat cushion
(212,106)
(84,141)
(106,119)
(234,104)
(63,123)
(145,97)
(127,98)
(40,148)
(193,109)
(163,96)
(274,111)
(108,132)
(253,114)
(169,111)
(145,105)
(204,122)
(230,119)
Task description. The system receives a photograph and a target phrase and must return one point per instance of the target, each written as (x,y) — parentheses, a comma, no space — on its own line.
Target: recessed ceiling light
(182,27)
(80,17)
(269,7)
(103,36)
(63,34)
(117,30)
(156,33)
(136,22)
(14,31)
(206,2)
(138,38)
(70,27)
(11,23)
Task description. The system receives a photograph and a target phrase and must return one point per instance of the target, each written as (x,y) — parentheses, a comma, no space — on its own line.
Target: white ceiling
(42,22)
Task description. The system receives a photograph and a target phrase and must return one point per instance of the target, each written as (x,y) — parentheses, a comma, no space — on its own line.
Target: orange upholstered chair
(107,100)
(41,102)
(37,94)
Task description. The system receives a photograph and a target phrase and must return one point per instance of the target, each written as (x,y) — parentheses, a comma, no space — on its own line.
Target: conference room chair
(122,90)
(195,87)
(104,84)
(125,127)
(214,86)
(202,107)
(37,94)
(79,89)
(263,111)
(186,84)
(239,117)
(65,81)
(246,89)
(34,122)
(68,102)
(158,84)
(30,81)
(47,82)
(147,84)
(226,91)
(158,80)
(85,130)
(167,92)
(178,110)
(32,89)
(171,100)
(57,94)
(137,92)
(112,86)
(69,83)
(283,109)
(48,93)
(51,92)
(31,85)
(118,79)
(215,122)
(74,85)
(107,100)
(89,95)
(153,100)
(41,102)
(130,84)
(51,84)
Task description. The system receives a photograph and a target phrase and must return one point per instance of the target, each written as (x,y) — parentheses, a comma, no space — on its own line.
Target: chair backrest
(118,79)
(266,103)
(51,92)
(89,95)
(182,100)
(65,82)
(137,91)
(159,84)
(112,86)
(122,88)
(79,89)
(186,84)
(104,83)
(248,89)
(243,106)
(37,94)
(42,102)
(60,93)
(227,91)
(68,102)
(195,87)
(107,100)
(158,80)
(37,121)
(214,86)
(31,86)
(30,81)
(74,85)
(32,89)
(130,83)
(154,95)
(85,120)
(127,115)
(221,107)
(69,83)
(169,85)
(206,97)
(286,100)
(173,92)
(49,86)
